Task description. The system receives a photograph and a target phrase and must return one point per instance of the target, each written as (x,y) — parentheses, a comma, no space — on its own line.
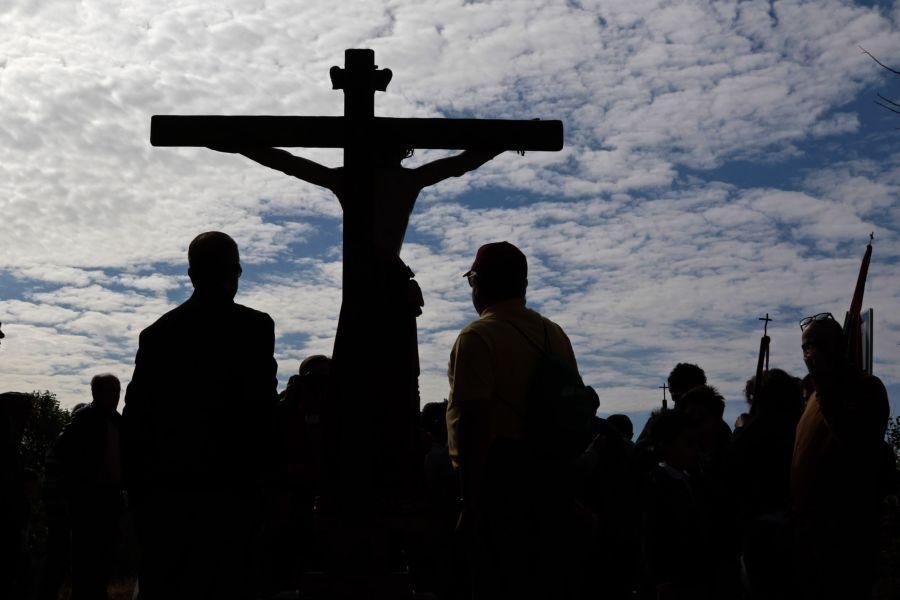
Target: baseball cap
(499,259)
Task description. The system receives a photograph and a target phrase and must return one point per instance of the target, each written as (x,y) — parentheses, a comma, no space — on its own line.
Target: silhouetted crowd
(520,490)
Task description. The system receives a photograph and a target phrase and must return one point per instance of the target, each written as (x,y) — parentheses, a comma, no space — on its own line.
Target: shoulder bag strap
(543,350)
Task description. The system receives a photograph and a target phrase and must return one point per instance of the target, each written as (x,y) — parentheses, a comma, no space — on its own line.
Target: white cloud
(643,265)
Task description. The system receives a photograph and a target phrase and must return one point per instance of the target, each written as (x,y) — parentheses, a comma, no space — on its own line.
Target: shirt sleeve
(268,366)
(471,378)
(135,418)
(854,410)
(571,351)
(561,344)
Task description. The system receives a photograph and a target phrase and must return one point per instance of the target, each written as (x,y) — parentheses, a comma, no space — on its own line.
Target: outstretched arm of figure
(452,166)
(287,163)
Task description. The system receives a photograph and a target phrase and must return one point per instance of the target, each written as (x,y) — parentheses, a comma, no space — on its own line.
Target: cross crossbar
(331,132)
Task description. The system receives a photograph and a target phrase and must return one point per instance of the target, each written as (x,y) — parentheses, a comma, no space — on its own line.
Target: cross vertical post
(762,362)
(374,408)
(665,402)
(357,80)
(766,320)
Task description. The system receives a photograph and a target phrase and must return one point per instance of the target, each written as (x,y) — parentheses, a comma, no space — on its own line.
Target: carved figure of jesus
(395,187)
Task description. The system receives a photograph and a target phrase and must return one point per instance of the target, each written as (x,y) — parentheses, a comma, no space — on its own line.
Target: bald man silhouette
(196,422)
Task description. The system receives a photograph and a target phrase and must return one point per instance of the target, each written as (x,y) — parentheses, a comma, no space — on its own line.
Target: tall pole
(762,360)
(766,320)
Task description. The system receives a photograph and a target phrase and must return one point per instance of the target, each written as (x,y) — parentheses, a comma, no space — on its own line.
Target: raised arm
(287,163)
(452,166)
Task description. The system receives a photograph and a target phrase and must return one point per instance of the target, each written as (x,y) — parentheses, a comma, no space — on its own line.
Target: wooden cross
(766,320)
(665,404)
(372,427)
(762,362)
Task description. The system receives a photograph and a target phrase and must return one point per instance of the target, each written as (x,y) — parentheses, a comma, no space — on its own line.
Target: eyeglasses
(807,321)
(470,276)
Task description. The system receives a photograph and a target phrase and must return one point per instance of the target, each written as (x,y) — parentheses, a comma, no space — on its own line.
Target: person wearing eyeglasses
(506,507)
(834,472)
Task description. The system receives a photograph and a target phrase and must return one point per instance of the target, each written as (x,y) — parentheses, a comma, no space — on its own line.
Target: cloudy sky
(723,160)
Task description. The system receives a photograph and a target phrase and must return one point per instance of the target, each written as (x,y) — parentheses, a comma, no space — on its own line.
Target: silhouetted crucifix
(375,352)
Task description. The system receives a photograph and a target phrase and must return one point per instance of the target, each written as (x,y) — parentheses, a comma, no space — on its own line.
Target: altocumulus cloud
(719,164)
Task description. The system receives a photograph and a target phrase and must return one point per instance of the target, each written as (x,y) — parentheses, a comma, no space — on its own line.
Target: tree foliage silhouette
(47,419)
(893,436)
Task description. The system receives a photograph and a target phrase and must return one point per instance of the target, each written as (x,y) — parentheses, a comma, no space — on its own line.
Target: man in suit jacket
(196,422)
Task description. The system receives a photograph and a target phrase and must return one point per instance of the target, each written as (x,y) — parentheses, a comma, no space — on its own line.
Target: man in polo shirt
(507,512)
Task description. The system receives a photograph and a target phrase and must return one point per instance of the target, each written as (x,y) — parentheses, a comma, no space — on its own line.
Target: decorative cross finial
(665,404)
(360,71)
(766,320)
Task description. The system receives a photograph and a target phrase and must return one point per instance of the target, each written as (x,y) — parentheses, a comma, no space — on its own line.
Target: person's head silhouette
(823,344)
(105,391)
(622,424)
(214,266)
(683,378)
(500,272)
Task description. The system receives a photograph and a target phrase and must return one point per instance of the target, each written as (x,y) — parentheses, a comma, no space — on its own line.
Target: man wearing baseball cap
(491,371)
